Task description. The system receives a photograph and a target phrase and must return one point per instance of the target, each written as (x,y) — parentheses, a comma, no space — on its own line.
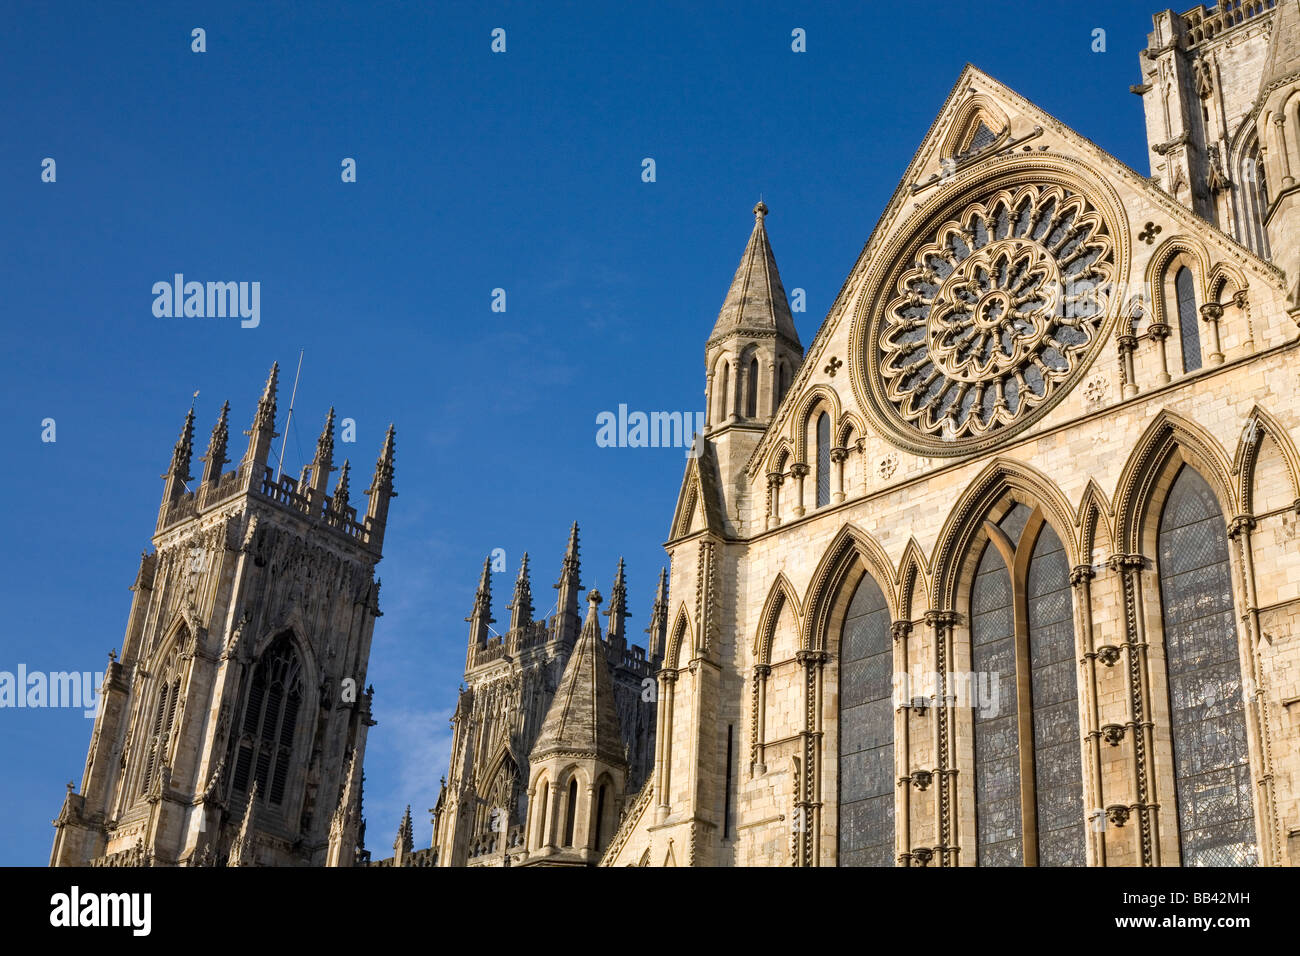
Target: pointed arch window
(1216,823)
(751,391)
(1028,769)
(1254,181)
(723,385)
(1189,332)
(265,745)
(164,716)
(571,812)
(823,460)
(866,731)
(784,383)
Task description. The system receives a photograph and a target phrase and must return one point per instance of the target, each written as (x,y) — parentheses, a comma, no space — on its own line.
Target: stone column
(663,739)
(808,789)
(800,471)
(774,481)
(941,624)
(1253,699)
(1159,332)
(1138,726)
(758,740)
(1127,346)
(838,457)
(902,750)
(1081,581)
(1211,313)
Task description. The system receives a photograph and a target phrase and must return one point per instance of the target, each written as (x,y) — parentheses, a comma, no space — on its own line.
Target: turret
(262,432)
(481,616)
(216,459)
(322,464)
(381,491)
(521,604)
(617,613)
(658,629)
(567,623)
(178,471)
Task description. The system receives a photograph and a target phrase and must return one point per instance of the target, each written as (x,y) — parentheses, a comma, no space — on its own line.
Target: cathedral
(1000,570)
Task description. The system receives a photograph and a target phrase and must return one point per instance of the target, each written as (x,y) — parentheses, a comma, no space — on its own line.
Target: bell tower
(233,727)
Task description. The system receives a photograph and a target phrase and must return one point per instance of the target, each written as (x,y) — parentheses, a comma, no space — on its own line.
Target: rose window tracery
(995,313)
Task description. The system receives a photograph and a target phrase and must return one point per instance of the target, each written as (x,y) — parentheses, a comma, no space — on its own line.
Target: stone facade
(1036,352)
(232,729)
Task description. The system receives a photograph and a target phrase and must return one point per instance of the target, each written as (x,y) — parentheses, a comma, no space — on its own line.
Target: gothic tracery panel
(866,732)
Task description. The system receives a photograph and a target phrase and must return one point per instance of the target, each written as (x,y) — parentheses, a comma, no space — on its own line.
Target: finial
(760,210)
(593,597)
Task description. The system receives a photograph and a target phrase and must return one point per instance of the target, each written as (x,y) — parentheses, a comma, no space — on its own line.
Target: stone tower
(578,767)
(750,356)
(1223,134)
(232,730)
(510,681)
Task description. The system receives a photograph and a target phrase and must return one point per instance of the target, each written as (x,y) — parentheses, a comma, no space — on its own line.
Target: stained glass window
(1211,764)
(751,395)
(270,717)
(866,800)
(997,732)
(1187,328)
(1058,769)
(823,459)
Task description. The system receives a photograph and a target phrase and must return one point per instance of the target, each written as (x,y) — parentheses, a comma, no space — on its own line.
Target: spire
(566,602)
(521,605)
(263,430)
(582,718)
(215,459)
(1282,64)
(344,825)
(658,629)
(381,489)
(756,301)
(481,616)
(404,845)
(341,493)
(323,463)
(241,850)
(184,450)
(617,613)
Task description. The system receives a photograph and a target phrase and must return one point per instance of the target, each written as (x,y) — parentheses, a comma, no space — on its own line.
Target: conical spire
(481,616)
(1282,64)
(404,845)
(215,459)
(241,850)
(566,602)
(521,605)
(263,430)
(341,491)
(658,629)
(582,718)
(184,450)
(617,613)
(323,463)
(756,301)
(381,489)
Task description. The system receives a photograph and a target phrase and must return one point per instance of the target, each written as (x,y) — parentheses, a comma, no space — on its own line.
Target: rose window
(995,313)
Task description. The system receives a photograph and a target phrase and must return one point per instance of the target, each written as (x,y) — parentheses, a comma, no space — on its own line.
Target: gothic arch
(1174,252)
(1168,433)
(824,396)
(781,595)
(1250,444)
(966,121)
(851,553)
(849,425)
(1000,477)
(781,454)
(681,636)
(913,576)
(1094,515)
(1224,276)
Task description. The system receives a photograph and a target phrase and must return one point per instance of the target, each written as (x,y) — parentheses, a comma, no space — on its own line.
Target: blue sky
(475,171)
